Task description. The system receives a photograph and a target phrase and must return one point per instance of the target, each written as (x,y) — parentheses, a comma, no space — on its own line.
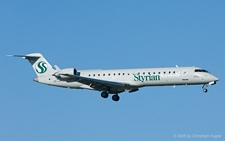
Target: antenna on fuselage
(57,68)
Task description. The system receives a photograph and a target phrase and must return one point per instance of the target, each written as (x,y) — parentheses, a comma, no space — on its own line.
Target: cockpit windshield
(201,70)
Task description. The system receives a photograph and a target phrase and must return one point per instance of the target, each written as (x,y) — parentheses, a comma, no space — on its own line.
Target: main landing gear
(104,95)
(204,88)
(114,97)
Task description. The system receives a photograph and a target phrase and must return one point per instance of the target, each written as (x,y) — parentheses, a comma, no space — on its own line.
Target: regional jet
(117,81)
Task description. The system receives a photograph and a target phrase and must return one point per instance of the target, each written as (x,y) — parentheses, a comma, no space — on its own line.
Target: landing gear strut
(204,88)
(115,97)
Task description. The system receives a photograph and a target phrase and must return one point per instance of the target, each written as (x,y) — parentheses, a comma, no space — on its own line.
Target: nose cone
(35,79)
(214,78)
(217,79)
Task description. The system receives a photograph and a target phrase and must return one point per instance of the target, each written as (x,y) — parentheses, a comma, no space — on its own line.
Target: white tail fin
(39,63)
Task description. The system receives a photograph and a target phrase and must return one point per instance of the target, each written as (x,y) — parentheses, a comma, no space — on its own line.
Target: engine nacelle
(56,74)
(71,71)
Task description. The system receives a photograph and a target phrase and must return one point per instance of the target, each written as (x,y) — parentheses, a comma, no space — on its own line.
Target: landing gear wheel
(104,95)
(205,90)
(115,97)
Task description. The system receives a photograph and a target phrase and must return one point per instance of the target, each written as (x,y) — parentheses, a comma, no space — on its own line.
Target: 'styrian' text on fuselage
(143,78)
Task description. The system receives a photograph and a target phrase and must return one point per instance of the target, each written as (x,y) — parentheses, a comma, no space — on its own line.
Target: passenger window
(149,73)
(89,75)
(123,73)
(109,74)
(169,72)
(118,73)
(158,72)
(103,74)
(143,73)
(93,74)
(114,74)
(153,72)
(98,74)
(128,74)
(174,72)
(164,72)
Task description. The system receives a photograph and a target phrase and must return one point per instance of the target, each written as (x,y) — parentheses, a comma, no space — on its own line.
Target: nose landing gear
(204,88)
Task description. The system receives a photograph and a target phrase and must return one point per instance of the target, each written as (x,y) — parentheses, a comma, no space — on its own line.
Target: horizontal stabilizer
(33,55)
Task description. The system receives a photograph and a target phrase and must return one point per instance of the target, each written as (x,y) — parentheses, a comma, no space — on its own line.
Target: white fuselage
(118,80)
(136,78)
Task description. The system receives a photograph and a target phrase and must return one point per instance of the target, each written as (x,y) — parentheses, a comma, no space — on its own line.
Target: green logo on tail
(41,67)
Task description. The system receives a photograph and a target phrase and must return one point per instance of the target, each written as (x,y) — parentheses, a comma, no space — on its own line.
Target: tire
(104,95)
(115,97)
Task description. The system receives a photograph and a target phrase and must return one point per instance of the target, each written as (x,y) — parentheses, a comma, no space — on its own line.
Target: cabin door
(185,75)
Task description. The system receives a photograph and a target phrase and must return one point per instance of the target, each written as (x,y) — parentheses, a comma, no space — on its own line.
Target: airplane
(117,81)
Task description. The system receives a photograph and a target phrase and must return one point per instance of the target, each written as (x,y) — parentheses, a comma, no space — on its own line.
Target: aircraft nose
(217,79)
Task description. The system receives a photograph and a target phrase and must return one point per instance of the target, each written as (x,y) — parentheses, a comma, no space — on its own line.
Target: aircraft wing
(98,84)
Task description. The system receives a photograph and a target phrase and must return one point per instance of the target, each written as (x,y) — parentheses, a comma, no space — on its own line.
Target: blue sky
(107,35)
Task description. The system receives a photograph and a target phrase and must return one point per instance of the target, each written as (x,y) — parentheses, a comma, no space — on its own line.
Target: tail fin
(39,63)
